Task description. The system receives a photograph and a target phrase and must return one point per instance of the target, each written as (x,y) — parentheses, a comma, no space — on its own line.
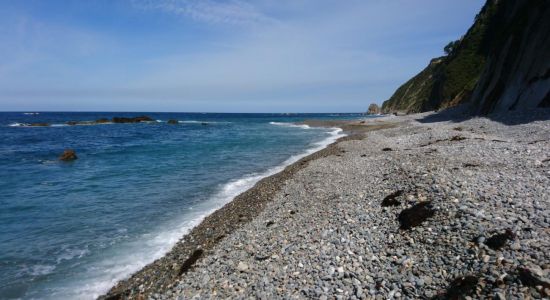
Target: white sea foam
(200,122)
(120,263)
(16,124)
(303,126)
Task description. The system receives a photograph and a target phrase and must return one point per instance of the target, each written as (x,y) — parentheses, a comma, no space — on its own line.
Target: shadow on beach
(462,113)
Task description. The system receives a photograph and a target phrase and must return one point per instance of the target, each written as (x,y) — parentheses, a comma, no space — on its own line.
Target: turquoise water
(72,230)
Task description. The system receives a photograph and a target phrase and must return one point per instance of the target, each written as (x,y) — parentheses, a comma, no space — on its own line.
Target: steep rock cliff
(501,63)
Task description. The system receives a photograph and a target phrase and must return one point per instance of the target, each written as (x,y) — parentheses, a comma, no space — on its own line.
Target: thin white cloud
(225,12)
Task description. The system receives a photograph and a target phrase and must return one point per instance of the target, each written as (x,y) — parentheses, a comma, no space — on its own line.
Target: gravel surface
(419,206)
(466,214)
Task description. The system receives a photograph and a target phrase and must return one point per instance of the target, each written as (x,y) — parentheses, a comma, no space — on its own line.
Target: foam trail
(120,263)
(303,126)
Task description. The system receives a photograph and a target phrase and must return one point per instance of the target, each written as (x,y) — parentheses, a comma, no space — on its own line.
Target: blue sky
(218,56)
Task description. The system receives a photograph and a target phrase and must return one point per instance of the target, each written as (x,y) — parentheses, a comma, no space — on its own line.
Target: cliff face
(501,63)
(517,73)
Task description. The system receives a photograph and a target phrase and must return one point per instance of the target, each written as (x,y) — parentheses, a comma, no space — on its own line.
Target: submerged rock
(68,155)
(138,119)
(172,122)
(39,124)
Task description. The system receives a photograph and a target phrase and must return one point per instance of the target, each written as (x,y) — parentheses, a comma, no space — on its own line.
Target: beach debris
(457,138)
(461,287)
(68,155)
(189,262)
(387,149)
(499,240)
(390,200)
(534,276)
(172,122)
(415,215)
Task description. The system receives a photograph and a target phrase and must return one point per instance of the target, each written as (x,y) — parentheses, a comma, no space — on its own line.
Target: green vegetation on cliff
(449,80)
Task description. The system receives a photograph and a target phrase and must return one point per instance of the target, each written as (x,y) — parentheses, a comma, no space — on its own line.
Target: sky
(218,56)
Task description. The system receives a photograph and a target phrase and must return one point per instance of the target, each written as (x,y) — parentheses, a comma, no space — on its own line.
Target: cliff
(501,63)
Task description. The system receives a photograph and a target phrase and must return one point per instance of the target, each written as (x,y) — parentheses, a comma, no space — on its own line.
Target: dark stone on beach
(132,120)
(529,277)
(68,155)
(172,122)
(390,199)
(387,149)
(499,240)
(39,124)
(269,223)
(186,266)
(457,138)
(414,216)
(458,128)
(462,287)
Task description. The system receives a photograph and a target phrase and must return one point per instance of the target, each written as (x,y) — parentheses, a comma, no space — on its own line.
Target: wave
(303,126)
(120,263)
(31,113)
(201,122)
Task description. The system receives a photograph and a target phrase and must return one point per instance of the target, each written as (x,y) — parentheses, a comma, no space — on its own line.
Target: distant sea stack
(501,64)
(374,109)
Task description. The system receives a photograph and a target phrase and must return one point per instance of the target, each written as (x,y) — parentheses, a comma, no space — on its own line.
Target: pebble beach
(418,206)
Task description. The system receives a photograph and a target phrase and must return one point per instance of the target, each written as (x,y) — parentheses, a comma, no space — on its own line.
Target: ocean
(71,230)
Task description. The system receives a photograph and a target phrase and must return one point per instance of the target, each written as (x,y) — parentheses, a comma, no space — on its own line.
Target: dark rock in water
(414,216)
(102,121)
(204,123)
(498,241)
(68,155)
(72,123)
(132,120)
(172,122)
(190,261)
(39,124)
(390,199)
(462,287)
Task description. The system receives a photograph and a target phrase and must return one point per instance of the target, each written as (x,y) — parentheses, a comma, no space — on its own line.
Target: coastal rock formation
(39,125)
(68,155)
(138,119)
(502,63)
(517,72)
(374,109)
(172,122)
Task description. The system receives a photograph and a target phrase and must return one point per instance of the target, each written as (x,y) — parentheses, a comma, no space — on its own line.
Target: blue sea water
(70,230)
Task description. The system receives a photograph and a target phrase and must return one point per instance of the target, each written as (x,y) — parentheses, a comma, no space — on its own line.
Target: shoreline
(195,245)
(416,206)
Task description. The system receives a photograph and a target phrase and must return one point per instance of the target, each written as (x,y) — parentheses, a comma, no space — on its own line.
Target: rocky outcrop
(68,155)
(132,120)
(502,63)
(374,109)
(517,73)
(172,122)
